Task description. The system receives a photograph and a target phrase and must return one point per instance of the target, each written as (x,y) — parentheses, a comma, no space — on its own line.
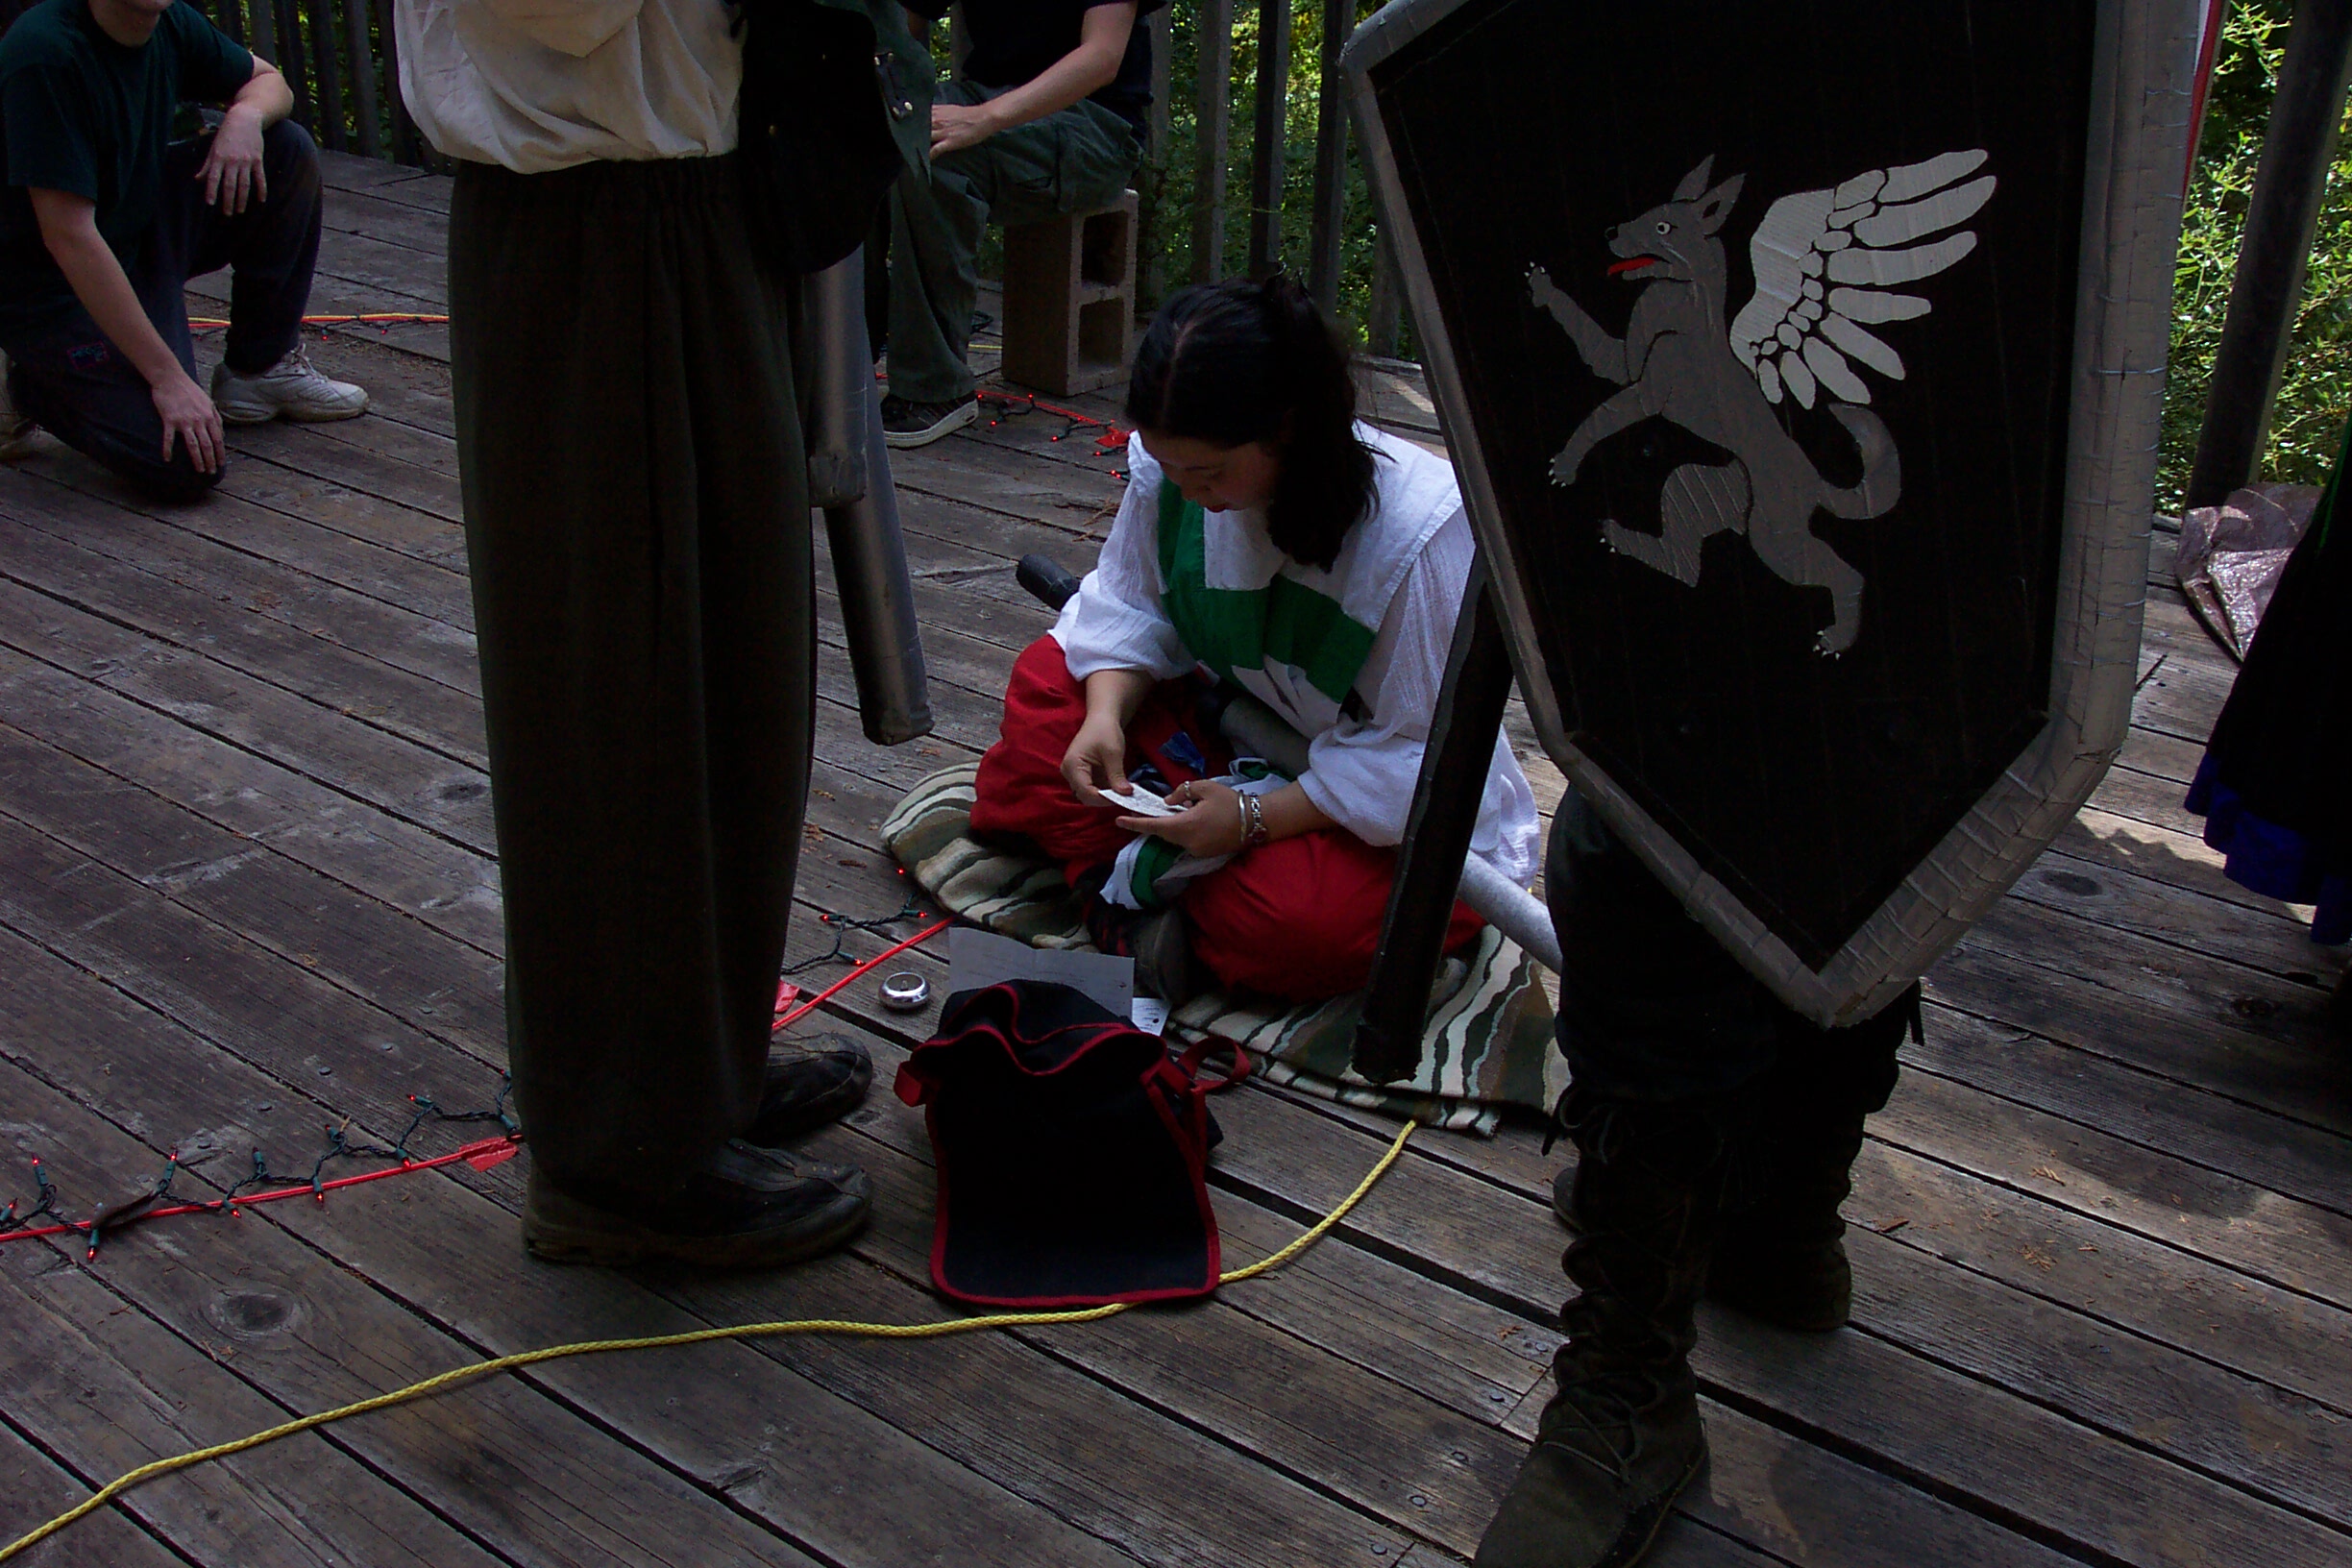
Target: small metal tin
(905,992)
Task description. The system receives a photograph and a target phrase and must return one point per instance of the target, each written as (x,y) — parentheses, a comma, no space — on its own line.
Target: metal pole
(1270,141)
(2297,149)
(849,479)
(1445,810)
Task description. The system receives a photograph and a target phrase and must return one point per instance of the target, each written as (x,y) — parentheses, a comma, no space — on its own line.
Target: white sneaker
(292,388)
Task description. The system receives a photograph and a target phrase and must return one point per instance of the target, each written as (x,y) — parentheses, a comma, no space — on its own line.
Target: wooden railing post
(1383,322)
(363,78)
(1324,251)
(1268,140)
(326,125)
(262,30)
(1211,136)
(293,61)
(2297,150)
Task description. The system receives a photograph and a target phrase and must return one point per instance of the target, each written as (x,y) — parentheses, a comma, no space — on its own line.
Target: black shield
(1772,341)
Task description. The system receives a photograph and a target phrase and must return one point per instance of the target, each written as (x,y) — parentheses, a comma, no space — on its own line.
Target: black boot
(1785,1260)
(1621,1437)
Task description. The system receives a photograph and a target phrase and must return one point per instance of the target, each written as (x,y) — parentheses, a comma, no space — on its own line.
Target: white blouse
(1361,771)
(542,84)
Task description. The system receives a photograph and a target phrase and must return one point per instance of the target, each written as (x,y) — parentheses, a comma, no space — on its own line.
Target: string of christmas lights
(156,1202)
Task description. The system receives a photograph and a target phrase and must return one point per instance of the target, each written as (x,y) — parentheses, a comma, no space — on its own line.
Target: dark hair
(1234,362)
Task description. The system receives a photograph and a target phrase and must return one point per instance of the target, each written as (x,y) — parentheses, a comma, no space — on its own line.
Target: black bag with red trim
(1072,1153)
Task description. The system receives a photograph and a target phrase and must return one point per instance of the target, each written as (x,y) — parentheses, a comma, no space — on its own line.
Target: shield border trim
(2144,65)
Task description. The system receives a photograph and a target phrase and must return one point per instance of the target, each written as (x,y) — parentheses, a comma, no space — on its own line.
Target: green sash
(1232,630)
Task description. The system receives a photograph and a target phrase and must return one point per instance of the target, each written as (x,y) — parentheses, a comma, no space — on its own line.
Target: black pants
(1653,1011)
(630,441)
(79,385)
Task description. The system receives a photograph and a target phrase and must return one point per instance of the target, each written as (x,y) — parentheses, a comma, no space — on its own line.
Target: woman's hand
(1211,826)
(1097,757)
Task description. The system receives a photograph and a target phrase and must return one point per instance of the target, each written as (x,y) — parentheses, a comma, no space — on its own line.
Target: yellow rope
(748,1331)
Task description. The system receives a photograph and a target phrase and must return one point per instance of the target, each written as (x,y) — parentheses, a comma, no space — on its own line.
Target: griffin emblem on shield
(1828,264)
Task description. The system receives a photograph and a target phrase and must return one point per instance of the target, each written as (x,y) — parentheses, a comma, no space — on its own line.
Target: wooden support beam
(327,125)
(1212,136)
(1384,321)
(369,138)
(2297,149)
(408,145)
(1268,141)
(1325,249)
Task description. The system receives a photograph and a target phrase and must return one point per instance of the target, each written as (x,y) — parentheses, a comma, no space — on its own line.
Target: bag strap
(1197,1053)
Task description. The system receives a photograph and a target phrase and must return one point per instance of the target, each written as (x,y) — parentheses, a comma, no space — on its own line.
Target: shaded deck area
(247,891)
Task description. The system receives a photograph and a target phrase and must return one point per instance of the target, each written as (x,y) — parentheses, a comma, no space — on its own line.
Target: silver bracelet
(1253,821)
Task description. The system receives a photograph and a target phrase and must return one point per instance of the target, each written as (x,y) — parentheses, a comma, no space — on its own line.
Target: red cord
(1113,439)
(482,1154)
(377,318)
(788,1019)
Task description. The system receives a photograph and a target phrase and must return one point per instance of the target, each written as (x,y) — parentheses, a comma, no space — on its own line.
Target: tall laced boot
(1784,1261)
(1621,1437)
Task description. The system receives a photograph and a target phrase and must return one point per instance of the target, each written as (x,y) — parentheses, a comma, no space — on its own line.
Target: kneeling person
(104,219)
(1314,563)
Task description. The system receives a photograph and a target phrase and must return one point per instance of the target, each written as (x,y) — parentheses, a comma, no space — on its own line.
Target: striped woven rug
(1488,1045)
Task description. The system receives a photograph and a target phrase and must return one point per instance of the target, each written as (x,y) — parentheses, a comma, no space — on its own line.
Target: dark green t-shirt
(81,113)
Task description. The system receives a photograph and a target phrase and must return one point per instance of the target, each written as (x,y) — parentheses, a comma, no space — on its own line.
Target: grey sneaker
(292,388)
(908,423)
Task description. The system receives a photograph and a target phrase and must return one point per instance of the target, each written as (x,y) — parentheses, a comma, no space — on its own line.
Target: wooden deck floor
(246,890)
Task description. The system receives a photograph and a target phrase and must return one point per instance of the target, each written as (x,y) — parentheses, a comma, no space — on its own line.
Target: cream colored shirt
(542,84)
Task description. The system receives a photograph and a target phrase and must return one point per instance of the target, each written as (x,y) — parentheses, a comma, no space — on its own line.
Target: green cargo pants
(1071,160)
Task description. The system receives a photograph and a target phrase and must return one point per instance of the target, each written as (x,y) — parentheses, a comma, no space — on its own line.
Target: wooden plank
(1872,1507)
(2235,1031)
(214,967)
(373,627)
(2275,1153)
(106,1391)
(2143,1405)
(369,948)
(1998,1451)
(341,751)
(1300,1511)
(334,678)
(830,1480)
(2265,1235)
(426,875)
(2110,891)
(401,182)
(38,1489)
(378,216)
(344,171)
(500,1461)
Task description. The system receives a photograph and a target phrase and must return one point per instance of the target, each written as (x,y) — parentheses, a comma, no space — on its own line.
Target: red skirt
(1299,918)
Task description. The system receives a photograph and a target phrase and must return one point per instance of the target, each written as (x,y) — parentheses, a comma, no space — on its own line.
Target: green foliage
(2308,420)
(1171,180)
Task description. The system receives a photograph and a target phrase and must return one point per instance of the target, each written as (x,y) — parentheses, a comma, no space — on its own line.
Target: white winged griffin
(1825,264)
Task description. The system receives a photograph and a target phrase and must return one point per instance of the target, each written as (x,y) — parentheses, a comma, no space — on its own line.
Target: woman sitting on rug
(1271,541)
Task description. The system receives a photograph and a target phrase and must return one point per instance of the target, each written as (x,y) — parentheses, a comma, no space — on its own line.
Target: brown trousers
(637,523)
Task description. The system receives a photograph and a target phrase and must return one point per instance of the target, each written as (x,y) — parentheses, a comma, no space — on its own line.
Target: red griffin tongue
(1631,262)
